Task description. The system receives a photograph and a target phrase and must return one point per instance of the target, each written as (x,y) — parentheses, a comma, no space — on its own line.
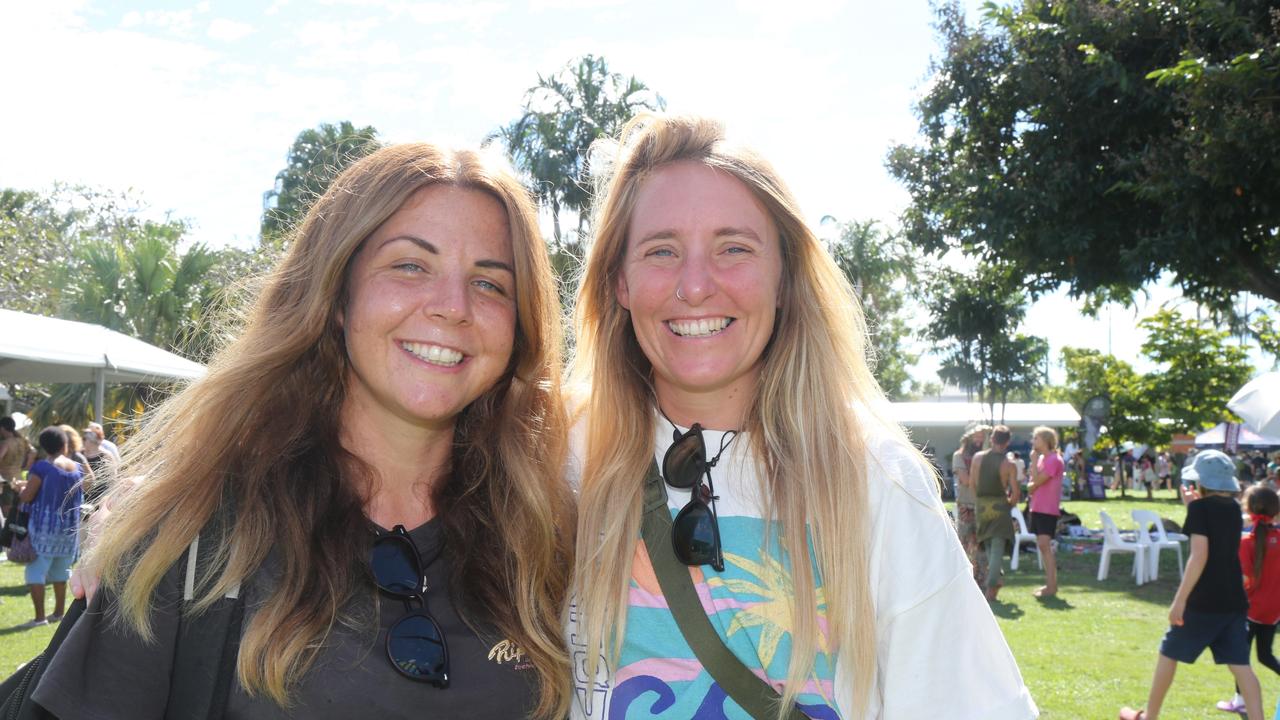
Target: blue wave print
(651,697)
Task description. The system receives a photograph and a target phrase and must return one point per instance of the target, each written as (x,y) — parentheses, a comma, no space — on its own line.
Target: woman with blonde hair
(383,447)
(75,451)
(733,423)
(1045,491)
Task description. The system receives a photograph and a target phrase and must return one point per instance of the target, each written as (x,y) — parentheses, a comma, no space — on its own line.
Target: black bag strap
(747,689)
(204,660)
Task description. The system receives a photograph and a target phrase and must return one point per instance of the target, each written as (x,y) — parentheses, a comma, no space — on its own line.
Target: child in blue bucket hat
(1208,611)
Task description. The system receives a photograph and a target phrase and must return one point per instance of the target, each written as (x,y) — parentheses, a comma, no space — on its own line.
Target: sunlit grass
(19,646)
(1093,649)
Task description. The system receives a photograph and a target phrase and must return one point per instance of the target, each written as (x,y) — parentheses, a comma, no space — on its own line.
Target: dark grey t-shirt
(105,672)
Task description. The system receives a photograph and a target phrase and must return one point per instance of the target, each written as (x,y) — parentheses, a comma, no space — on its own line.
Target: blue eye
(490,286)
(662,252)
(409,266)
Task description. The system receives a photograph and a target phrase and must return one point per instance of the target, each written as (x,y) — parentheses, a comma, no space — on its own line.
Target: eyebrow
(737,231)
(726,231)
(426,245)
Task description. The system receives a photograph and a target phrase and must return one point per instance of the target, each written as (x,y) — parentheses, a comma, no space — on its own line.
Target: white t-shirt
(1021,465)
(939,650)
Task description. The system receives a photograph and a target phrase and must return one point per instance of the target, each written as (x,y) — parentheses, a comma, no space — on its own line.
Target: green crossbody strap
(746,688)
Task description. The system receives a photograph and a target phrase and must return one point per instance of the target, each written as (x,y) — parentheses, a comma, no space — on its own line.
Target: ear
(623,293)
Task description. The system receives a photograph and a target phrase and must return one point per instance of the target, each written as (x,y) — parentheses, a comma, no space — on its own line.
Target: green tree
(40,233)
(1017,364)
(1200,369)
(1265,330)
(561,116)
(1102,143)
(974,323)
(91,255)
(316,157)
(136,279)
(882,267)
(1090,373)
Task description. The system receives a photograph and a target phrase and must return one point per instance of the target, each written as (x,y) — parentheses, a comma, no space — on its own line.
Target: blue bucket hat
(1214,470)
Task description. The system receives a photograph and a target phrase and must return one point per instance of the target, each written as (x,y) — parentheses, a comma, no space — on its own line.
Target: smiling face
(430,318)
(700,277)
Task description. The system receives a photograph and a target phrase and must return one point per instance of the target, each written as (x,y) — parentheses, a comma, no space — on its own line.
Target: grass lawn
(1083,654)
(1093,649)
(18,646)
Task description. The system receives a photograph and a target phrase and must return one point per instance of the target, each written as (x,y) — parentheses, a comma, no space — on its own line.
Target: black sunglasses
(415,643)
(695,531)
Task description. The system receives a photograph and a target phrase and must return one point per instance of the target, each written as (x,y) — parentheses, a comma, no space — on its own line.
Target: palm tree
(562,116)
(316,157)
(133,278)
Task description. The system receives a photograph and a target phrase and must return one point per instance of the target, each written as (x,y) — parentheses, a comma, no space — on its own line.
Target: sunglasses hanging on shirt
(415,644)
(695,531)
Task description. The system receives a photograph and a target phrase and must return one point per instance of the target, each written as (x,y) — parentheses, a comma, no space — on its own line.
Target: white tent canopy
(960,414)
(939,425)
(40,349)
(1217,435)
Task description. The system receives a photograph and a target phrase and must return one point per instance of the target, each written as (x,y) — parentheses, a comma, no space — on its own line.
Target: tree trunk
(1263,279)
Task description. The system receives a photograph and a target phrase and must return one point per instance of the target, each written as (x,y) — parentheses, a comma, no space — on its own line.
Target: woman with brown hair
(733,422)
(384,441)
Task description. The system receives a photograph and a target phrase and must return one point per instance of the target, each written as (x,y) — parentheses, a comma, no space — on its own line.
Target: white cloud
(545,5)
(773,16)
(228,30)
(473,16)
(333,33)
(35,18)
(180,23)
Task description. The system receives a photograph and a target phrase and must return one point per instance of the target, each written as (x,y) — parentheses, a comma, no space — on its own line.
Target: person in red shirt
(1260,560)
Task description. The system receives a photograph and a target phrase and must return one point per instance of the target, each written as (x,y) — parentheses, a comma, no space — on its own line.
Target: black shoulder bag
(746,688)
(204,659)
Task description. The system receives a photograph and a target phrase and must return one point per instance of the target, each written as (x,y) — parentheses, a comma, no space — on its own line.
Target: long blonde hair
(808,420)
(261,429)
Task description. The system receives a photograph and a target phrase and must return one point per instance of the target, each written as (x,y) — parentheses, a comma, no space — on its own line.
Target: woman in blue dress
(53,495)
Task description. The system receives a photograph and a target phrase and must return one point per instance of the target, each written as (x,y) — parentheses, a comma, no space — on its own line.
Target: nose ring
(680,296)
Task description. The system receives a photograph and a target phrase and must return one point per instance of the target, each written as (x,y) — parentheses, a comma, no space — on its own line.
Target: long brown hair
(812,412)
(1263,505)
(261,428)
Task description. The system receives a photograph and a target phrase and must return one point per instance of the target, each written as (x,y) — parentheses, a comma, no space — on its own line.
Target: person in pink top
(1046,497)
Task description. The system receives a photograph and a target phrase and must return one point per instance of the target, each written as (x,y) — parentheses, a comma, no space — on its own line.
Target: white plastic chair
(1113,543)
(1022,535)
(1151,532)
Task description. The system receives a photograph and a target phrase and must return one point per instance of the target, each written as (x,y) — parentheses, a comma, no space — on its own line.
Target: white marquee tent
(40,349)
(939,425)
(1217,435)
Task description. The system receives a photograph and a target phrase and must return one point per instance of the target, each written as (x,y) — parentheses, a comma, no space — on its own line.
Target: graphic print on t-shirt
(658,675)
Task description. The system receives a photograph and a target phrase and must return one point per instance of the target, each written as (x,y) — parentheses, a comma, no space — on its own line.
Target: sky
(193,106)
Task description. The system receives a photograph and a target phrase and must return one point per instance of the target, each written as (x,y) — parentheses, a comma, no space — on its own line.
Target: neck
(408,461)
(723,408)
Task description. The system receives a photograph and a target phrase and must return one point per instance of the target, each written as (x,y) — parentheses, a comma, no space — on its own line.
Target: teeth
(434,354)
(699,327)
